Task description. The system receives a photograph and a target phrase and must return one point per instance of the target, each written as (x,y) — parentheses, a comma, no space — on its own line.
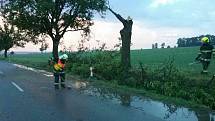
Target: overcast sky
(154,21)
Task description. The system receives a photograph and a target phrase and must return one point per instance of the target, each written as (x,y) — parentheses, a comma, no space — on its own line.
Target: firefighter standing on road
(59,73)
(205,54)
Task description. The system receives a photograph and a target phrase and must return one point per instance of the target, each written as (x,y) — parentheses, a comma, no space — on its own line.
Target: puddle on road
(168,112)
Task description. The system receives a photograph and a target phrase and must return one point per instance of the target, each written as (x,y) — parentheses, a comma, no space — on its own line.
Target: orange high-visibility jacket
(59,66)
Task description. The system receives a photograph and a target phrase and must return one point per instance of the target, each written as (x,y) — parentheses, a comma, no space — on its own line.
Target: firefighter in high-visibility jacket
(205,54)
(59,73)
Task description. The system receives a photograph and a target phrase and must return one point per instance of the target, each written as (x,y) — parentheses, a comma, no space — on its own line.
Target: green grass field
(33,60)
(182,58)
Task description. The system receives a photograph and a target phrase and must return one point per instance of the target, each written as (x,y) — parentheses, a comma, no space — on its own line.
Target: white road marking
(43,71)
(48,75)
(1,72)
(25,67)
(19,88)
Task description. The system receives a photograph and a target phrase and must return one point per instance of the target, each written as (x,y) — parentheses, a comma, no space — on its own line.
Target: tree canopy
(44,46)
(53,17)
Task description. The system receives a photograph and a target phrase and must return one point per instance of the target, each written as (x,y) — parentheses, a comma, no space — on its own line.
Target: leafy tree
(153,46)
(194,41)
(53,17)
(10,37)
(162,45)
(181,42)
(156,45)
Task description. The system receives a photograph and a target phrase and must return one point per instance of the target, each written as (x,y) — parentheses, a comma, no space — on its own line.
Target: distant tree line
(194,41)
(155,45)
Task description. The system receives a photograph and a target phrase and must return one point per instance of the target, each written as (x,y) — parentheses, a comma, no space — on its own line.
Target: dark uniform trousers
(59,79)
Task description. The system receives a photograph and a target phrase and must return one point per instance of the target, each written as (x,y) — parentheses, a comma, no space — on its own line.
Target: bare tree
(125,33)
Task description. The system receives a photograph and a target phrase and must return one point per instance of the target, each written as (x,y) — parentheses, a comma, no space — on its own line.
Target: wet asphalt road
(29,96)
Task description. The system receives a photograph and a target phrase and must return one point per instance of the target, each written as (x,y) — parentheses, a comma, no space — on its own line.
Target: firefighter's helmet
(205,39)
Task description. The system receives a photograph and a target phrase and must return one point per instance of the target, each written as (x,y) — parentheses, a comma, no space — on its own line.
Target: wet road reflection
(168,112)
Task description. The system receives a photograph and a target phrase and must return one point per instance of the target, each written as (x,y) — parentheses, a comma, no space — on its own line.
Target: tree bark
(125,52)
(55,48)
(5,53)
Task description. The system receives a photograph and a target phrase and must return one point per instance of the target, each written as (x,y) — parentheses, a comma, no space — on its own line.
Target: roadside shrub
(185,95)
(80,69)
(137,77)
(109,70)
(105,63)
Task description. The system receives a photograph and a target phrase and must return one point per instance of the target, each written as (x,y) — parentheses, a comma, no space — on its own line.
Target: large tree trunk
(126,43)
(5,53)
(55,49)
(125,52)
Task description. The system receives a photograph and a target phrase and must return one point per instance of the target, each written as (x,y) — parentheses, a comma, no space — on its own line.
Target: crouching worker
(205,54)
(59,74)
